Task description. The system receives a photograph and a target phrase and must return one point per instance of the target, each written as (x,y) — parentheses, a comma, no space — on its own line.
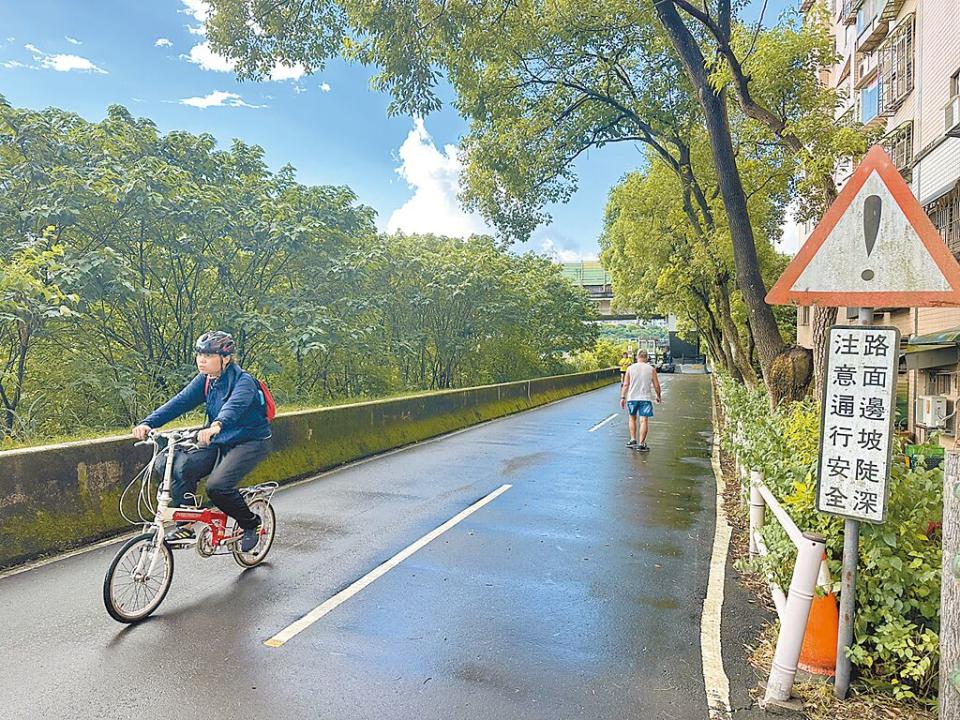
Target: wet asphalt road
(575,594)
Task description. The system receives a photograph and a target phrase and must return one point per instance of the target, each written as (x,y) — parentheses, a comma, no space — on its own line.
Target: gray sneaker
(251,537)
(643,447)
(632,444)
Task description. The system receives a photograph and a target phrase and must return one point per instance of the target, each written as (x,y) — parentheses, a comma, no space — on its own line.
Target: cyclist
(237,432)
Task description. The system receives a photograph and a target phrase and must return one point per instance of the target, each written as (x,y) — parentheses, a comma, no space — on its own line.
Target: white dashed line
(602,423)
(318,612)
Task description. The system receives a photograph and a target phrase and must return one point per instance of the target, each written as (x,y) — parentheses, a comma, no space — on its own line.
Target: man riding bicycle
(237,432)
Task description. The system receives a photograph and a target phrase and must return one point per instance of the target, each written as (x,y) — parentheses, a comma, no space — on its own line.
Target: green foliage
(898,582)
(627,334)
(604,354)
(120,245)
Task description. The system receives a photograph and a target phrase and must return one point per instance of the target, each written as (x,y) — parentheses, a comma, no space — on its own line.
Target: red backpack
(266,399)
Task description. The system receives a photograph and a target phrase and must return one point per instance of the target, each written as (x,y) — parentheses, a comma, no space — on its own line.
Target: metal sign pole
(848,580)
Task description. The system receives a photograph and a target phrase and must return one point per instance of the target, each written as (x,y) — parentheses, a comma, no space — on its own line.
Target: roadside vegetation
(896,644)
(119,245)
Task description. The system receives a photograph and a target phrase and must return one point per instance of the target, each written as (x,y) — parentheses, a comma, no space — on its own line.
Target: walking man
(640,384)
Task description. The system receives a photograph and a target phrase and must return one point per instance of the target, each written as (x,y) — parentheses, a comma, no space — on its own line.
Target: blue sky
(151,57)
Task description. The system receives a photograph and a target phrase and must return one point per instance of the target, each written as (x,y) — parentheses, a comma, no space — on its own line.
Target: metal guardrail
(793,607)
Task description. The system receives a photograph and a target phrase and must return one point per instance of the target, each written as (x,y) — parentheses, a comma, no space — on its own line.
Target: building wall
(937,58)
(930,320)
(932,165)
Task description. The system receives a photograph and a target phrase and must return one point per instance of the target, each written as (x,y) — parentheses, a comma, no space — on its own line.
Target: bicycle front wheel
(139,578)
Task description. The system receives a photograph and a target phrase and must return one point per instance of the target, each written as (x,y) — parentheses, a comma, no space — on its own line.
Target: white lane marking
(36,564)
(715,680)
(602,423)
(318,612)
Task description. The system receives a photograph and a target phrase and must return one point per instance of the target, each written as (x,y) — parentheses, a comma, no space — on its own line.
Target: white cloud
(204,56)
(434,177)
(199,10)
(282,72)
(218,98)
(63,63)
(550,248)
(324,87)
(162,42)
(10,64)
(299,89)
(207,59)
(72,41)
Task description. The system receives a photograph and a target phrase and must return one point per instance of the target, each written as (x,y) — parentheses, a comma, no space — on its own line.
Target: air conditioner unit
(931,411)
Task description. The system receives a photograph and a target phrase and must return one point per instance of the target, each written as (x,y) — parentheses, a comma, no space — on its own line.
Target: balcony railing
(874,31)
(945,215)
(848,12)
(951,120)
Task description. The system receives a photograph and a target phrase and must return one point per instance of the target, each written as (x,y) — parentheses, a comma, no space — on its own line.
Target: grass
(819,702)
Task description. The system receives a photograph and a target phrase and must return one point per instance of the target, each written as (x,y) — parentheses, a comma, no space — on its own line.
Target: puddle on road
(518,463)
(658,602)
(662,548)
(318,526)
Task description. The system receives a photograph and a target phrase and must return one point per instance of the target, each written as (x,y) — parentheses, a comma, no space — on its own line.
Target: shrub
(898,582)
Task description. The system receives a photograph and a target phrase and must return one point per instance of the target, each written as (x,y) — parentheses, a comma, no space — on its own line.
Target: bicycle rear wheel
(130,590)
(268,529)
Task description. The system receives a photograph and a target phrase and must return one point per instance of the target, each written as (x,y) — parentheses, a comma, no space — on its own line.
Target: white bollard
(794,621)
(757,508)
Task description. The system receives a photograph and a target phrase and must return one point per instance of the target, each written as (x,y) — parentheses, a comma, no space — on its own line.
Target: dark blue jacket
(233,399)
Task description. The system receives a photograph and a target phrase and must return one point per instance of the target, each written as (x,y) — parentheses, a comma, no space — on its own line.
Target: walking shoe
(632,444)
(180,534)
(251,536)
(643,447)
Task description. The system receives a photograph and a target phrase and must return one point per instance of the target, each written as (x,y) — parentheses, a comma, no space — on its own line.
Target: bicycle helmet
(216,343)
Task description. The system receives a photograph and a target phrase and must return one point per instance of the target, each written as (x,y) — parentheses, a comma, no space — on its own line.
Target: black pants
(190,466)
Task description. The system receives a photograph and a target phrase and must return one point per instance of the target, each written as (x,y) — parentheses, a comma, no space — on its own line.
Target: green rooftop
(586,272)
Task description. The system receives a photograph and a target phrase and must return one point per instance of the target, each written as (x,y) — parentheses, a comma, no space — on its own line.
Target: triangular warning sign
(874,247)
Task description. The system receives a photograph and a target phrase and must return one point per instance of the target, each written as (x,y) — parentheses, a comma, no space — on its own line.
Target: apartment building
(899,70)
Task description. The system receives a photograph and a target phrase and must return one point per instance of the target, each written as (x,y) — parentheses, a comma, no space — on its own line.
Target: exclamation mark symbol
(871,226)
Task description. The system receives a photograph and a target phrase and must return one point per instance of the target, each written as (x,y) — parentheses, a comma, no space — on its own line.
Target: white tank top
(640,377)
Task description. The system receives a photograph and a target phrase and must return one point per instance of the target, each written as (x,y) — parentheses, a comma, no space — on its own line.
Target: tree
(119,245)
(773,75)
(663,260)
(30,300)
(540,83)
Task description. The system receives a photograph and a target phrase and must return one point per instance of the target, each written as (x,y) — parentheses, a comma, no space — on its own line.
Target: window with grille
(939,384)
(945,215)
(896,67)
(899,144)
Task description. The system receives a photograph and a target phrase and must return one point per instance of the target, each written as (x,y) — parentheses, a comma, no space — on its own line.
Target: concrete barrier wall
(56,497)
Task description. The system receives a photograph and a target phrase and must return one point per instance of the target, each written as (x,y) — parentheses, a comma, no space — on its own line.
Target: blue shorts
(643,408)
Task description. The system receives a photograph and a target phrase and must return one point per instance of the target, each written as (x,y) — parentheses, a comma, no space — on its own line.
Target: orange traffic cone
(818,654)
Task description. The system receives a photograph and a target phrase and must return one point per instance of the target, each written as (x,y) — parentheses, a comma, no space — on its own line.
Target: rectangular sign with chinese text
(859,402)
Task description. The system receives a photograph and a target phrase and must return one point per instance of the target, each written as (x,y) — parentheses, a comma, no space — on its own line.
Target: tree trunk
(950,592)
(766,334)
(732,335)
(823,318)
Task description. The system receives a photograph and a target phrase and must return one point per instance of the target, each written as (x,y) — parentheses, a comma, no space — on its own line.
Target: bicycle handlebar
(178,436)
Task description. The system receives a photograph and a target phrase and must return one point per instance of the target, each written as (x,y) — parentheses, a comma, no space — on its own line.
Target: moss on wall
(55,498)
